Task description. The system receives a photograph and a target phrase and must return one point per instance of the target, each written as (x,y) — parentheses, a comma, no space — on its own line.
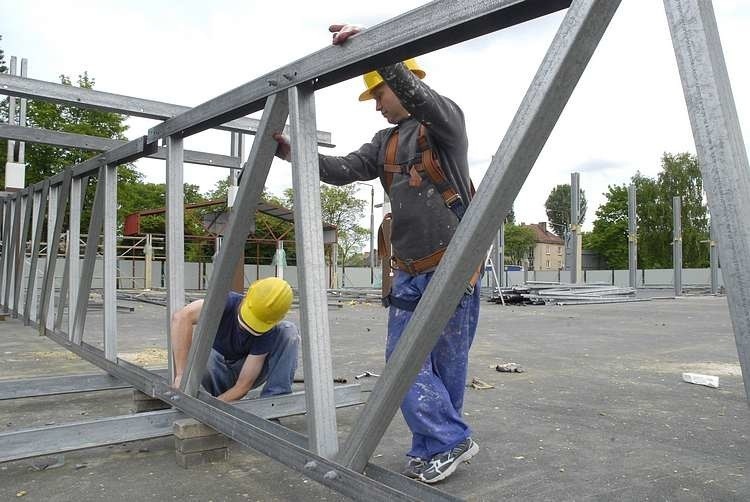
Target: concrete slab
(600,413)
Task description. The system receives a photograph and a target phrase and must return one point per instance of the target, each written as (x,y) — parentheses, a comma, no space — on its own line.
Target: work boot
(444,464)
(414,467)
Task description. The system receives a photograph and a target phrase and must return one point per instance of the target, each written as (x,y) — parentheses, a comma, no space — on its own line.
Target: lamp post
(372,230)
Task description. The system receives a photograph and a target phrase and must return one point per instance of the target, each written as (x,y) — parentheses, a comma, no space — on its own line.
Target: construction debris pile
(557,293)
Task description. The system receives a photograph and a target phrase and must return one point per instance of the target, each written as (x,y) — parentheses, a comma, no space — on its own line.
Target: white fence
(131,276)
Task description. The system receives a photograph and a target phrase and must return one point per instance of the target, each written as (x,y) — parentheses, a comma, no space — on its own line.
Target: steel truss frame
(289,91)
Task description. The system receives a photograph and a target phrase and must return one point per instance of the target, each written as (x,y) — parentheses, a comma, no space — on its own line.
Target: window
(548,264)
(559,250)
(547,249)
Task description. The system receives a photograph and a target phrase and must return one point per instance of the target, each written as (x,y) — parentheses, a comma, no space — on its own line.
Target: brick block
(186,460)
(140,396)
(187,428)
(205,443)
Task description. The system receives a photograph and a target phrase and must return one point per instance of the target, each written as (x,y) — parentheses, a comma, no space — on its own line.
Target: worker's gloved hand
(284,149)
(341,32)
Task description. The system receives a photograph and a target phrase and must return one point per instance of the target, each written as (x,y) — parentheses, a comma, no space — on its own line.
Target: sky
(627,110)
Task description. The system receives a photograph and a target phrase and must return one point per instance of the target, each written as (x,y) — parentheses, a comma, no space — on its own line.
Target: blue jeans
(433,405)
(278,367)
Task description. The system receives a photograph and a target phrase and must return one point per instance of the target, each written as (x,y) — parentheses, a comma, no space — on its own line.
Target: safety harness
(425,164)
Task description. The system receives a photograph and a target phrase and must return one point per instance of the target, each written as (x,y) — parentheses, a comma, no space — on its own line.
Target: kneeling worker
(253,345)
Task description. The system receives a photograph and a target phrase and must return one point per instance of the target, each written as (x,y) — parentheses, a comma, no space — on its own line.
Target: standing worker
(253,345)
(423,166)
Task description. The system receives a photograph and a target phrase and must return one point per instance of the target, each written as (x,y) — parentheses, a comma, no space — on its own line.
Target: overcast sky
(626,111)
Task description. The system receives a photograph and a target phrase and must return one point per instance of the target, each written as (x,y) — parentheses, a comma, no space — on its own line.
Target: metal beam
(61,384)
(40,203)
(98,144)
(273,440)
(175,228)
(109,236)
(575,227)
(127,105)
(56,222)
(96,220)
(424,29)
(248,195)
(316,351)
(51,440)
(713,258)
(632,238)
(722,156)
(677,244)
(27,202)
(570,51)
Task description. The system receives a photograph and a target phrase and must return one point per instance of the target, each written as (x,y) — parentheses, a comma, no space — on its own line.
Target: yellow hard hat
(266,303)
(373,78)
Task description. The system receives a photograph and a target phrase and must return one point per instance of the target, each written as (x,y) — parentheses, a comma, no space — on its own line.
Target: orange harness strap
(430,165)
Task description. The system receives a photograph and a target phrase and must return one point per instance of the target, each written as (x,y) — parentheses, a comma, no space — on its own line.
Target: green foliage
(44,161)
(3,68)
(680,176)
(340,207)
(519,243)
(558,209)
(609,237)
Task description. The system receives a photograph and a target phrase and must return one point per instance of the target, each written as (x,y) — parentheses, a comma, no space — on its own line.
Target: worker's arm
(360,165)
(248,374)
(181,334)
(443,117)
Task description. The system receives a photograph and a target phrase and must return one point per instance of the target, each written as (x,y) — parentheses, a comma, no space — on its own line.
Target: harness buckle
(450,201)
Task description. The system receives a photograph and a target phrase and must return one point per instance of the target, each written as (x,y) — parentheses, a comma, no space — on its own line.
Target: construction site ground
(600,411)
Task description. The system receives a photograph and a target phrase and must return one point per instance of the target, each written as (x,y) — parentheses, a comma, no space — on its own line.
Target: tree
(680,176)
(3,68)
(609,236)
(340,207)
(558,209)
(3,120)
(519,243)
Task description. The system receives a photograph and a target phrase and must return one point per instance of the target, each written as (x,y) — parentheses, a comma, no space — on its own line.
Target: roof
(544,236)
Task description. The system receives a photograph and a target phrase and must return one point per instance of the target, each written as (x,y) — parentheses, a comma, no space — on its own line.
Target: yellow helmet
(373,78)
(266,303)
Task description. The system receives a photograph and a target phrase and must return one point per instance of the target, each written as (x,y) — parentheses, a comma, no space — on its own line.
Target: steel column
(713,257)
(26,198)
(52,242)
(40,204)
(632,238)
(721,153)
(73,263)
(175,220)
(248,195)
(575,237)
(500,261)
(48,283)
(311,274)
(677,244)
(580,32)
(11,157)
(96,221)
(109,296)
(22,115)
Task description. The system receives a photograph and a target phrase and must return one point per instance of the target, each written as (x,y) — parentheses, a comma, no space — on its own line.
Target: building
(549,250)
